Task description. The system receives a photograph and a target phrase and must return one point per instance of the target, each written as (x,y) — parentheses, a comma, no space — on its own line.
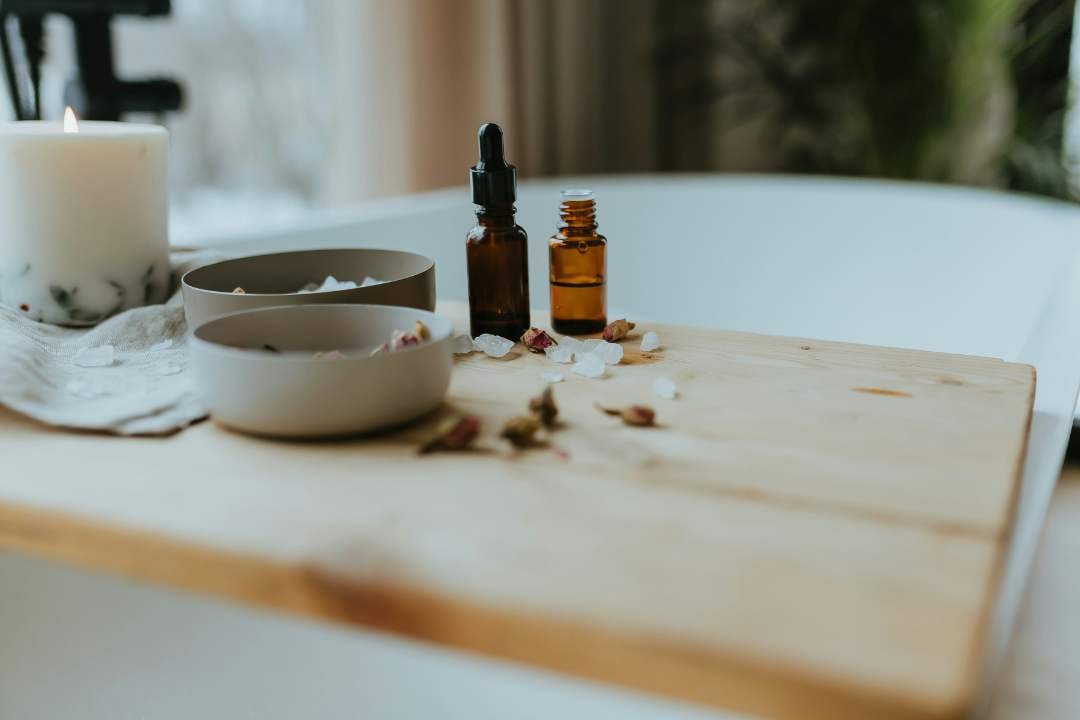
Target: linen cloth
(147,390)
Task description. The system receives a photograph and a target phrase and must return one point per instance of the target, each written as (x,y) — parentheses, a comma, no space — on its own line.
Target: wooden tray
(813,532)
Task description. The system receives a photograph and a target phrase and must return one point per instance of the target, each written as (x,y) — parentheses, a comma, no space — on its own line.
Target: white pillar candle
(83,219)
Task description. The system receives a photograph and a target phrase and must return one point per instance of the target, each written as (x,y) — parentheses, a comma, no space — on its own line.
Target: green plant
(967,91)
(1039,62)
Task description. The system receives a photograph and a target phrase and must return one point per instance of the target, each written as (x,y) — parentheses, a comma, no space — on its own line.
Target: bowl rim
(306,355)
(429,265)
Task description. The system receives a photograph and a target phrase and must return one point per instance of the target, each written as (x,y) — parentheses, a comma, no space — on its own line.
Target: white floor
(83,646)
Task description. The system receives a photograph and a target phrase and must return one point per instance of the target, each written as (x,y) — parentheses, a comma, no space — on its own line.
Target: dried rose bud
(521,431)
(454,432)
(640,415)
(536,340)
(636,415)
(401,339)
(543,407)
(420,330)
(617,330)
(238,291)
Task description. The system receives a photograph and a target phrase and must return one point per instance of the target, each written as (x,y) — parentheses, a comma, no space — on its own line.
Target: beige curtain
(413,79)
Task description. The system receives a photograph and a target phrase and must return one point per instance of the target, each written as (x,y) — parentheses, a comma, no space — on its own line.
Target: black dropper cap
(494,181)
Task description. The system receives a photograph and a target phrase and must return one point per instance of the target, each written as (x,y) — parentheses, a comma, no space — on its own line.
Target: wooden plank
(813,532)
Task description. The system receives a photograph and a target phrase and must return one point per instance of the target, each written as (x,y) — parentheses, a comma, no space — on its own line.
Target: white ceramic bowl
(408,280)
(258,372)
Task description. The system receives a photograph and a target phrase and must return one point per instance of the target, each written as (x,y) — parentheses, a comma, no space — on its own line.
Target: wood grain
(787,543)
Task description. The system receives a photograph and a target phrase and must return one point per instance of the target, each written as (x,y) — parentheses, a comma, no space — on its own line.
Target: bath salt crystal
(571,343)
(463,345)
(329,355)
(590,366)
(84,389)
(665,388)
(166,367)
(492,345)
(369,281)
(329,284)
(163,345)
(101,356)
(590,344)
(559,353)
(553,377)
(584,347)
(650,341)
(610,353)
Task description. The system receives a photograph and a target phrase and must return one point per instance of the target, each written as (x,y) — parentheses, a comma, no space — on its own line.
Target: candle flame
(71,125)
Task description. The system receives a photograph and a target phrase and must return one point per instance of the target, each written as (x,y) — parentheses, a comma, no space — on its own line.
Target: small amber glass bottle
(496,248)
(578,268)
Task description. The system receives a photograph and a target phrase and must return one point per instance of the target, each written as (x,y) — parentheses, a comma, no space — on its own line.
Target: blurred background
(294,105)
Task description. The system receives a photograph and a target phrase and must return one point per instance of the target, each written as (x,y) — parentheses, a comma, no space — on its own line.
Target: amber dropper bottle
(497,247)
(578,268)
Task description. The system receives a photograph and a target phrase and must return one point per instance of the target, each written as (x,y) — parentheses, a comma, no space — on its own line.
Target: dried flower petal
(454,432)
(636,415)
(521,431)
(617,330)
(544,408)
(639,415)
(401,339)
(536,340)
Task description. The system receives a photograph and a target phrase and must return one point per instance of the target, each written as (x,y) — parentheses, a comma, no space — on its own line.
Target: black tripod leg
(9,68)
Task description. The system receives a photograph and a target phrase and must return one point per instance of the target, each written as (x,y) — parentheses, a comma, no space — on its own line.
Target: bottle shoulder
(486,233)
(592,240)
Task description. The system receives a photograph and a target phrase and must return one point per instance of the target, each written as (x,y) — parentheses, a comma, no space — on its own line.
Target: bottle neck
(577,217)
(497,216)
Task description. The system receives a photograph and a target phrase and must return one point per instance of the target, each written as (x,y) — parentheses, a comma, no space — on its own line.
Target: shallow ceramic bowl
(273,279)
(293,393)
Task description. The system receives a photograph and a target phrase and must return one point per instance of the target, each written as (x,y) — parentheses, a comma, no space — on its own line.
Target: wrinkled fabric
(147,390)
